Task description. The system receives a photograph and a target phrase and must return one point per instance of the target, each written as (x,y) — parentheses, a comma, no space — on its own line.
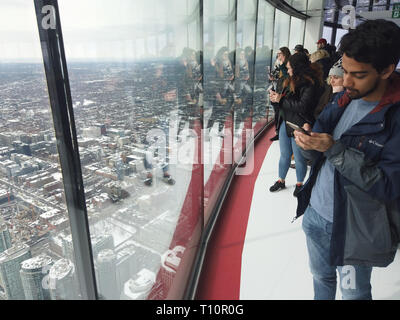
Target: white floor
(275,258)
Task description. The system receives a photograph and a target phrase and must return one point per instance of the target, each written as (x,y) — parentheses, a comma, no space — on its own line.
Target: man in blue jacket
(351,201)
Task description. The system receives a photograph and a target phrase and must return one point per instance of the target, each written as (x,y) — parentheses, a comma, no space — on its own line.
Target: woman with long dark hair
(278,76)
(296,104)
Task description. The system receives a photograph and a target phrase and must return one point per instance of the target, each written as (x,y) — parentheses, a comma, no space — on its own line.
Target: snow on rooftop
(15,251)
(61,269)
(106,255)
(138,287)
(37,262)
(50,214)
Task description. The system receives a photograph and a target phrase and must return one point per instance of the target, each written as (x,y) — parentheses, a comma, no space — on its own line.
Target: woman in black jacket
(296,104)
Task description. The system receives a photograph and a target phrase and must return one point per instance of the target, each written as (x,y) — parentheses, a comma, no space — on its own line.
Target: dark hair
(303,71)
(286,53)
(376,42)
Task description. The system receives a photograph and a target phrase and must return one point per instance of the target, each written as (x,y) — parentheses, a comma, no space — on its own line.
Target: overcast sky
(119,29)
(99,29)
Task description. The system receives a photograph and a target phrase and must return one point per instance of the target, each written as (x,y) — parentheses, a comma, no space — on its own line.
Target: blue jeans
(354,280)
(288,147)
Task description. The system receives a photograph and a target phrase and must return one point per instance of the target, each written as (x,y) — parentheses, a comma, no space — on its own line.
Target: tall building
(63,282)
(101,242)
(33,272)
(127,264)
(106,276)
(5,238)
(10,266)
(98,242)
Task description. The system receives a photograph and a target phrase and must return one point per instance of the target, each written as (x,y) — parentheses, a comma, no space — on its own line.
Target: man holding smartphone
(351,201)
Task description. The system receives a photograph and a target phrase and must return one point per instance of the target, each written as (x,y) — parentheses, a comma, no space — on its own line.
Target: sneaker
(168,179)
(148,181)
(297,189)
(277,186)
(274,138)
(292,165)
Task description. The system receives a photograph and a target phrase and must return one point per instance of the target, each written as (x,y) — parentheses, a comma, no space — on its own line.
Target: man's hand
(316,141)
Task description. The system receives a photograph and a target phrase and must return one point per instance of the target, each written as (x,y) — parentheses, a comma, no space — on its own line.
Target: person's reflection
(189,110)
(249,54)
(163,100)
(262,71)
(223,91)
(243,92)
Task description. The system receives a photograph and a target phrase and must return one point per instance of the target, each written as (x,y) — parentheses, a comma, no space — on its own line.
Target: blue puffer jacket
(366,218)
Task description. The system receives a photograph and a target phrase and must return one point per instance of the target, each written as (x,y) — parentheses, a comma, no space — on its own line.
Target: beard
(356,94)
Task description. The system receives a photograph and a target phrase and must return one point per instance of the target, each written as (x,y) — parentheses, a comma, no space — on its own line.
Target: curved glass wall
(164,98)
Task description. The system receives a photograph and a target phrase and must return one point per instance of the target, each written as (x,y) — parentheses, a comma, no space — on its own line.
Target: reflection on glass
(262,109)
(36,259)
(140,100)
(136,82)
(219,89)
(244,75)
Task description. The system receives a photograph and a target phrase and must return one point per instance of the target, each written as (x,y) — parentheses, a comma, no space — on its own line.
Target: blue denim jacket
(366,220)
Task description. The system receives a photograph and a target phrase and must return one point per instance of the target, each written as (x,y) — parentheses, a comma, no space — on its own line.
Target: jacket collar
(391,95)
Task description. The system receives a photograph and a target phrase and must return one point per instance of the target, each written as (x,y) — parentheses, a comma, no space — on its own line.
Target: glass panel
(244,76)
(36,252)
(281,31)
(380,5)
(136,88)
(265,32)
(392,2)
(339,34)
(327,33)
(296,32)
(300,5)
(219,55)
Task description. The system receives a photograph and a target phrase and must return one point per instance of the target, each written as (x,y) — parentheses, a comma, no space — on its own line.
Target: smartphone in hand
(296,127)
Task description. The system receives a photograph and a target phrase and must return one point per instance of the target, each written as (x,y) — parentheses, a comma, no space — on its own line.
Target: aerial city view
(115,106)
(125,167)
(139,119)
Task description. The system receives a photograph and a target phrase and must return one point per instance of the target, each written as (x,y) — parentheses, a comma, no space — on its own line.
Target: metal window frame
(56,70)
(286,8)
